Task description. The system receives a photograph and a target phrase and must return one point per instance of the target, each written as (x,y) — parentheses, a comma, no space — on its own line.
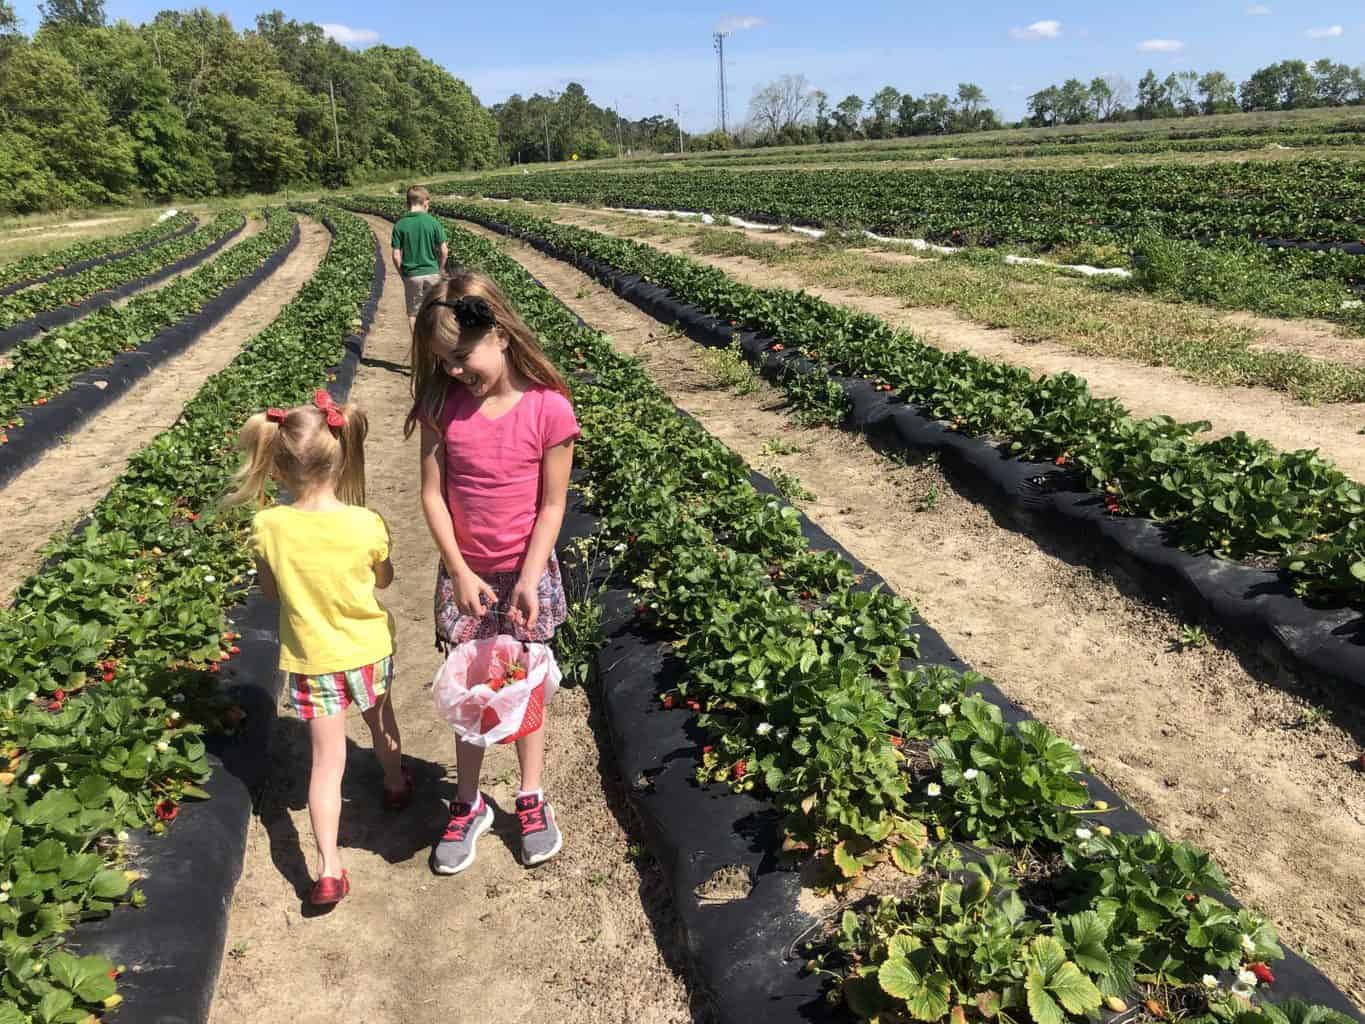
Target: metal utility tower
(719,38)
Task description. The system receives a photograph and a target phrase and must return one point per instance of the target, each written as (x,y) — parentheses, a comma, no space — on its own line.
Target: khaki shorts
(415,290)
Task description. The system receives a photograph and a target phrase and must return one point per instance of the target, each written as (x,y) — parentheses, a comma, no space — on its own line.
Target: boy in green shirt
(419,251)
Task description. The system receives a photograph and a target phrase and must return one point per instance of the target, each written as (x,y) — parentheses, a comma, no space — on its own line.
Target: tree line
(185,105)
(1286,85)
(567,125)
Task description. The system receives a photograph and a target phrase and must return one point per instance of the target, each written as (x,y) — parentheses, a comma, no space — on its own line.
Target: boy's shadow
(396,836)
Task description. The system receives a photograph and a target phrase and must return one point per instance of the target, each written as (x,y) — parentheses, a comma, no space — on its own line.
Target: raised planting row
(110,658)
(105,279)
(958,147)
(73,258)
(1235,497)
(899,773)
(1310,200)
(46,365)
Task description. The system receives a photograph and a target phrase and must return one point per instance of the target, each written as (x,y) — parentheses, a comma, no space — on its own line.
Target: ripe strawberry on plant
(1263,973)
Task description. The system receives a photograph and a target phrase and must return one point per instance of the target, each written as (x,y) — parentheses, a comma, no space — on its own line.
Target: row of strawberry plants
(956,147)
(29,268)
(109,655)
(799,679)
(43,366)
(64,291)
(1308,199)
(1235,497)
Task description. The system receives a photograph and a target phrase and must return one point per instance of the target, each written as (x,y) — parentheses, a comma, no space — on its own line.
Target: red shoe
(398,800)
(330,890)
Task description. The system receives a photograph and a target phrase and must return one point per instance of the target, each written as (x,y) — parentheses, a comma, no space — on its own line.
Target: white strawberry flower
(763,728)
(5,885)
(175,716)
(1246,984)
(1248,946)
(945,709)
(970,774)
(162,746)
(34,778)
(210,579)
(1210,982)
(123,836)
(933,789)
(1083,833)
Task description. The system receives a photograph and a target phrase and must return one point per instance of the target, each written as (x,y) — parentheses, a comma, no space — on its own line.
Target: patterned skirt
(453,628)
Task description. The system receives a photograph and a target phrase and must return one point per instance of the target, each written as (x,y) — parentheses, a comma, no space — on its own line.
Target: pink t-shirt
(492,471)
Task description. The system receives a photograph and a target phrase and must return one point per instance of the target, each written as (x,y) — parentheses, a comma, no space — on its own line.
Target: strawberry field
(1028,898)
(110,654)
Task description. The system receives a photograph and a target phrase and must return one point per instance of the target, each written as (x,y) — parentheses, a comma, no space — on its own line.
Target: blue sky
(649,58)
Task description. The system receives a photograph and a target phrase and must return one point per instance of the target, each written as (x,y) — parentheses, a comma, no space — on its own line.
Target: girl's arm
(468,587)
(555,467)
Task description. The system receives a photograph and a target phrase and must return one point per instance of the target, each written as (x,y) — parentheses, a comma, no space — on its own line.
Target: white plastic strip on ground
(914,243)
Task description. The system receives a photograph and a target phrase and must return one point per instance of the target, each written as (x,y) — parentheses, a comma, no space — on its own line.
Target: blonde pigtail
(350,486)
(258,439)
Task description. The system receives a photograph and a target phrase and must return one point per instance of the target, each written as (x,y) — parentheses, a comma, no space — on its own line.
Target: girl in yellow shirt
(322,558)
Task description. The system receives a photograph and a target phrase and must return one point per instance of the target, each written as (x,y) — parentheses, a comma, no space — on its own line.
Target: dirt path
(1145,390)
(1257,776)
(51,496)
(577,939)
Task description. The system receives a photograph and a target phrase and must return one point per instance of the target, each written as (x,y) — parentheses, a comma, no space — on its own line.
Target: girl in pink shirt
(497,447)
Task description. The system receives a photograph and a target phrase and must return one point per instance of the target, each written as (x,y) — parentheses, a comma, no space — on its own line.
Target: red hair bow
(324,402)
(275,415)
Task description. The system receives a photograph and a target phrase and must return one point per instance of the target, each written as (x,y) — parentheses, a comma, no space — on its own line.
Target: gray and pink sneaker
(540,836)
(455,851)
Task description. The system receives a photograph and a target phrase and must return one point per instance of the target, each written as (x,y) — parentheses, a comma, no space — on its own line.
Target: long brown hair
(300,446)
(437,324)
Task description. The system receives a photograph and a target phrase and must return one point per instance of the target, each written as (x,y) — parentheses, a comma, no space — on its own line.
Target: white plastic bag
(478,713)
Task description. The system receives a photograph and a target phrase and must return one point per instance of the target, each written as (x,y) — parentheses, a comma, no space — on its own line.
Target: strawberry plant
(45,365)
(28,269)
(75,289)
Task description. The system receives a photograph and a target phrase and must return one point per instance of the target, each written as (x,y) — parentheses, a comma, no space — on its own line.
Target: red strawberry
(741,768)
(669,701)
(41,401)
(166,810)
(693,705)
(779,347)
(234,649)
(1191,897)
(707,750)
(59,695)
(1263,973)
(896,741)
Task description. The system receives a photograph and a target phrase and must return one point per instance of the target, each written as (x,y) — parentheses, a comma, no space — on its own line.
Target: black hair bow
(471,311)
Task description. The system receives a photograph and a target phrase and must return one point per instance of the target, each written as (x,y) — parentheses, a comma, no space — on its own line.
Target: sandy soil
(51,496)
(253,227)
(1145,390)
(71,227)
(585,938)
(1255,774)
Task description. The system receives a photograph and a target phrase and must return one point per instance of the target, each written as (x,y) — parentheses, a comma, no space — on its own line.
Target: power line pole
(620,146)
(677,108)
(547,137)
(719,39)
(336,133)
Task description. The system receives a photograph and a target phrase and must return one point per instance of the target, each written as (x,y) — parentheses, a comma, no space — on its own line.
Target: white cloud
(1161,46)
(733,24)
(1049,29)
(1330,32)
(1258,10)
(347,36)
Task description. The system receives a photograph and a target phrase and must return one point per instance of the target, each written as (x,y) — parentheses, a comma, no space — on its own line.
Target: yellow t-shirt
(330,620)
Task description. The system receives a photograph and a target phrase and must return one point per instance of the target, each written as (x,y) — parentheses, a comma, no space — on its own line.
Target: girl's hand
(525,605)
(470,591)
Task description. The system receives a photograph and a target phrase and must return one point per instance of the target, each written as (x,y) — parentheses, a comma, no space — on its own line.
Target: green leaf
(109,884)
(847,864)
(908,857)
(1358,570)
(54,1004)
(1076,992)
(897,978)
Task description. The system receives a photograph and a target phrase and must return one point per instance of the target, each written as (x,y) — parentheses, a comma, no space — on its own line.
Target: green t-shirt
(419,235)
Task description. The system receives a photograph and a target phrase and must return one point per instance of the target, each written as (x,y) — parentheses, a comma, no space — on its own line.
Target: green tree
(1334,85)
(9,21)
(970,101)
(883,106)
(910,116)
(56,145)
(847,117)
(1217,93)
(1042,107)
(1153,98)
(84,13)
(1073,102)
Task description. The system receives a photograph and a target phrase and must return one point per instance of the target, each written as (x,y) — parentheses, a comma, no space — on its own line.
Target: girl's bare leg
(388,745)
(468,763)
(324,789)
(531,754)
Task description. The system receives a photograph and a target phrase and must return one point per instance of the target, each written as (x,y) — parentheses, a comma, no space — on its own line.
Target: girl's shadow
(365,825)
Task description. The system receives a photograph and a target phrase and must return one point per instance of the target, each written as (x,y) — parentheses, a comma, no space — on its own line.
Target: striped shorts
(326,694)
